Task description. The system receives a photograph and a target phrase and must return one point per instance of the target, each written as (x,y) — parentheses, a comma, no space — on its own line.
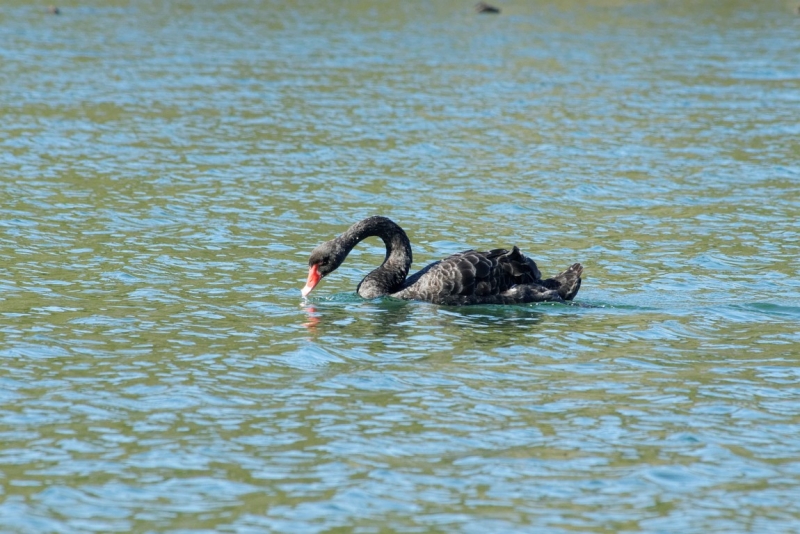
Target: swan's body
(495,277)
(483,7)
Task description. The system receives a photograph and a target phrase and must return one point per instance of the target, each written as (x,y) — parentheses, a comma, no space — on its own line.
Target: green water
(166,168)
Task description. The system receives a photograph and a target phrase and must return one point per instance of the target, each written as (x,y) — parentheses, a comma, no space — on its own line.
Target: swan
(498,276)
(483,7)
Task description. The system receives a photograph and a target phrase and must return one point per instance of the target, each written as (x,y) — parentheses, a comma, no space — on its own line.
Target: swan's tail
(566,283)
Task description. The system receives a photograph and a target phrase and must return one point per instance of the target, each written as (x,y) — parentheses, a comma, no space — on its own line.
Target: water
(166,167)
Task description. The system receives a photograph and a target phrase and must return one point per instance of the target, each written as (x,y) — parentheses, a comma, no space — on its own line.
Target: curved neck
(389,277)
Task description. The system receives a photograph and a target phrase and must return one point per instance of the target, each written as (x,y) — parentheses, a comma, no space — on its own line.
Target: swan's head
(324,259)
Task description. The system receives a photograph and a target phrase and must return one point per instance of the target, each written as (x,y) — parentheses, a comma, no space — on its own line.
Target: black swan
(483,7)
(470,277)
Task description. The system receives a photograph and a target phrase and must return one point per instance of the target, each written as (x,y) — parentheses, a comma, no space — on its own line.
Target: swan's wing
(517,268)
(472,273)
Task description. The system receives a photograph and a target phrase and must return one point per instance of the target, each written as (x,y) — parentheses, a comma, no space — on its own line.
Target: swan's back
(471,275)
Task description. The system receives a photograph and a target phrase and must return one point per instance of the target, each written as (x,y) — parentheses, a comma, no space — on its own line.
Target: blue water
(167,167)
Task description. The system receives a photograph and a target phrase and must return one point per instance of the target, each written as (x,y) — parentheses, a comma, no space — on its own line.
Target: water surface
(166,167)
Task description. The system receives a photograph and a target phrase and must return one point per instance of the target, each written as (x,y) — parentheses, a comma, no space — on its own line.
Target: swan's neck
(389,277)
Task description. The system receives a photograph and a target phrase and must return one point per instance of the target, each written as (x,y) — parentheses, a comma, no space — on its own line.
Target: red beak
(313,279)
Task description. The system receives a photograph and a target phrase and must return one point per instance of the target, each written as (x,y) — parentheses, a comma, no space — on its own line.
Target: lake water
(166,168)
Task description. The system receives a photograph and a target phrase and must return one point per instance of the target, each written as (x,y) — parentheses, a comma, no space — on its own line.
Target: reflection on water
(167,168)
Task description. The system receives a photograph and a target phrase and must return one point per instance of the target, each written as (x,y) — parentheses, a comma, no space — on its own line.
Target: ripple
(166,175)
